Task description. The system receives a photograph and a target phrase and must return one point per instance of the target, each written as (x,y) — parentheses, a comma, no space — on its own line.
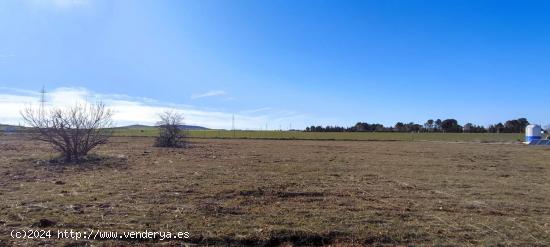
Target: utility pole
(233,124)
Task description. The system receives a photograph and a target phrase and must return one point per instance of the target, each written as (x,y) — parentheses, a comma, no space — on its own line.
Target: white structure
(532,133)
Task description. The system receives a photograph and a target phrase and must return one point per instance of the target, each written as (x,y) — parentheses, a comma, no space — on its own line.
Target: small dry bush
(170,132)
(73,131)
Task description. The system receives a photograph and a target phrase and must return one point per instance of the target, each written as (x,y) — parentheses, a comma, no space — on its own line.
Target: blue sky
(281,62)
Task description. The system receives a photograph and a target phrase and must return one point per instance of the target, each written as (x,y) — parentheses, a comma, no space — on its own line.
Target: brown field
(282,192)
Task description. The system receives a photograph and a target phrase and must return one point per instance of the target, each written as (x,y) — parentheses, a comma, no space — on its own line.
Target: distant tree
(510,126)
(522,124)
(450,125)
(412,127)
(447,125)
(73,131)
(379,128)
(516,125)
(467,128)
(472,128)
(499,127)
(479,129)
(399,127)
(438,123)
(360,127)
(429,125)
(170,132)
(333,129)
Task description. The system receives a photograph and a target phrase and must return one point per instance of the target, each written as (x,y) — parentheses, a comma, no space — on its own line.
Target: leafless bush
(170,133)
(72,131)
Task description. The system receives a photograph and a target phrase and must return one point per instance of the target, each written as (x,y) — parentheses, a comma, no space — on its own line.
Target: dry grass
(339,136)
(281,192)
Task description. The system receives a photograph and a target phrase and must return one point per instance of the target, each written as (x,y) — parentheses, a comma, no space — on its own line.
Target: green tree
(438,124)
(429,125)
(450,125)
(399,126)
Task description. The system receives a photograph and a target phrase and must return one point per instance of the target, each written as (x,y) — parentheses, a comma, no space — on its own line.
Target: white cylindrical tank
(532,133)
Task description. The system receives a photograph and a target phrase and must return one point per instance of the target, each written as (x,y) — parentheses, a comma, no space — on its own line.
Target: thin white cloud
(229,99)
(70,3)
(133,110)
(263,109)
(6,55)
(57,4)
(213,93)
(64,4)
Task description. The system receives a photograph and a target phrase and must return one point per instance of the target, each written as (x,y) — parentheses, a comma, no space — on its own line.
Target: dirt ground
(281,192)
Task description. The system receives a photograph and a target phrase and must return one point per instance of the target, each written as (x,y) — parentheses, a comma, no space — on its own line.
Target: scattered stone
(44,223)
(35,207)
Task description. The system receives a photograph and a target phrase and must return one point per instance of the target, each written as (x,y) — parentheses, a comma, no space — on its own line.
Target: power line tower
(42,97)
(42,101)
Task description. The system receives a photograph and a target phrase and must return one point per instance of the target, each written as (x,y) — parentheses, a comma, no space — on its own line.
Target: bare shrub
(72,131)
(170,133)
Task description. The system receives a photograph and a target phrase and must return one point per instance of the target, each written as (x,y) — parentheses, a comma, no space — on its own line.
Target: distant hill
(7,127)
(136,126)
(144,127)
(192,127)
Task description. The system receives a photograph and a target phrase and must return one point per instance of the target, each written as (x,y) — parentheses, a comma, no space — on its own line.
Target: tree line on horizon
(438,125)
